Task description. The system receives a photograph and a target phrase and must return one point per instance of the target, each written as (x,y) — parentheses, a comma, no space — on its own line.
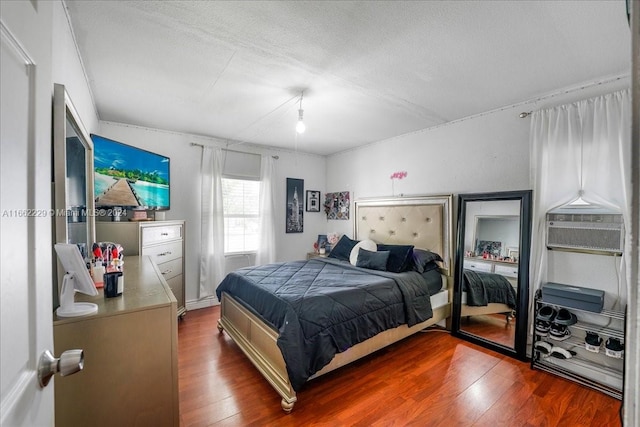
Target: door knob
(69,362)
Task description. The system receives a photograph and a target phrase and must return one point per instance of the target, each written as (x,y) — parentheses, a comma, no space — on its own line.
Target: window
(241,200)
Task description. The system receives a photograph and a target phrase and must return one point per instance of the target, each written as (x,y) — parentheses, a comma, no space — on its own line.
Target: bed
(487,293)
(423,222)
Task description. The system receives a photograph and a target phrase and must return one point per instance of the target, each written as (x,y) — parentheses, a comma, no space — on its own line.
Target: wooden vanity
(130,374)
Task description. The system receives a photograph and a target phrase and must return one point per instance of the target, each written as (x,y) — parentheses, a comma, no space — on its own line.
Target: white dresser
(163,241)
(506,269)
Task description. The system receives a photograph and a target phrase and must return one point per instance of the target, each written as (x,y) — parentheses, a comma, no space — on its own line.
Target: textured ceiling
(369,70)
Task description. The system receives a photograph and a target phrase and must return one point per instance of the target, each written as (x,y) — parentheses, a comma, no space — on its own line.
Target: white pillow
(368,245)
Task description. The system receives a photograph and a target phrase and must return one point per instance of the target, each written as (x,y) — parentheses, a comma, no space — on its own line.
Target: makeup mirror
(73,181)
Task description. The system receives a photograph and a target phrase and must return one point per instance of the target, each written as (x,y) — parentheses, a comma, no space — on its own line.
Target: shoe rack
(572,358)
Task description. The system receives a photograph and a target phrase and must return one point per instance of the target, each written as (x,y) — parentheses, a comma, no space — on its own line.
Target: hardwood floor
(493,327)
(429,379)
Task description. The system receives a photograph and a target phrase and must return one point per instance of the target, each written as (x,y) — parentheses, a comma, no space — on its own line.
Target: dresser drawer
(478,266)
(163,253)
(506,270)
(171,269)
(165,233)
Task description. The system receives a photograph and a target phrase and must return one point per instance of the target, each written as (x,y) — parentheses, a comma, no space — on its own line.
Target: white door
(25,230)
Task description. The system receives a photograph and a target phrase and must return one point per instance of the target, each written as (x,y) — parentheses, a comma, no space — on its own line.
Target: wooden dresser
(163,241)
(130,375)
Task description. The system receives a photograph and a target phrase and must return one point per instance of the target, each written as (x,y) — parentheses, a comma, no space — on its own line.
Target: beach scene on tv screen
(128,176)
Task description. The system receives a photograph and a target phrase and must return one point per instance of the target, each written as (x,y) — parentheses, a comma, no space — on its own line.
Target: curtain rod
(613,79)
(193,144)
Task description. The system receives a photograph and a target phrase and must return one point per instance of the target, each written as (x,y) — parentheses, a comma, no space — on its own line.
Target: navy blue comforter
(323,306)
(483,288)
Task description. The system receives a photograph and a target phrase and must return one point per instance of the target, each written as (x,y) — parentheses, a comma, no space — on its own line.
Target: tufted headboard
(422,221)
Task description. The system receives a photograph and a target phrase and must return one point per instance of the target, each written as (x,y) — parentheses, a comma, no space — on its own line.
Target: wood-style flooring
(429,379)
(493,327)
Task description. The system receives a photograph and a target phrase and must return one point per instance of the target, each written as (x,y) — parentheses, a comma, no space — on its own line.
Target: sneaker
(565,317)
(559,332)
(542,328)
(592,342)
(561,353)
(543,347)
(614,348)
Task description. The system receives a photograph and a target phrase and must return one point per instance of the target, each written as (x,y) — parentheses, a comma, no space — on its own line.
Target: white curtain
(212,222)
(267,247)
(580,148)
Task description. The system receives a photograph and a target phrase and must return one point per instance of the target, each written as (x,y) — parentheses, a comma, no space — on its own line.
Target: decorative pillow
(369,245)
(400,257)
(422,257)
(373,260)
(432,265)
(342,249)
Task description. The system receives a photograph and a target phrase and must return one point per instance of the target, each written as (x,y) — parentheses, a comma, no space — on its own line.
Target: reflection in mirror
(73,180)
(76,187)
(491,277)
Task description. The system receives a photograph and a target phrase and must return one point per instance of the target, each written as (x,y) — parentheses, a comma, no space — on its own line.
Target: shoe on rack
(565,317)
(542,328)
(592,342)
(559,332)
(614,348)
(546,313)
(543,347)
(561,353)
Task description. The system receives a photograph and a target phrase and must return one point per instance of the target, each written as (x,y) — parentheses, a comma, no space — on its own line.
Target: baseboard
(202,303)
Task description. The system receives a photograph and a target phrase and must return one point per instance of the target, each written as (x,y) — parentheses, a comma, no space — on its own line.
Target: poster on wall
(336,205)
(295,205)
(313,201)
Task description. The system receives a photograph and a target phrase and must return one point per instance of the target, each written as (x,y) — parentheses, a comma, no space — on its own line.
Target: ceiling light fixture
(300,126)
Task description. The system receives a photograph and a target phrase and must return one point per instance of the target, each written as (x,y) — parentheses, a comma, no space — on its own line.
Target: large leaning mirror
(491,292)
(72,179)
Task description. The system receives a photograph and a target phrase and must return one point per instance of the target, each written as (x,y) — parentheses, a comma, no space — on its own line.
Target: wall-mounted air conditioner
(582,230)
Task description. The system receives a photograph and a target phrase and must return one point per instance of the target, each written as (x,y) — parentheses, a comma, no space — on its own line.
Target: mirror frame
(519,350)
(64,112)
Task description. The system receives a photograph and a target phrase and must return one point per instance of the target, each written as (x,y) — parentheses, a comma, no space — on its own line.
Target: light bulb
(300,126)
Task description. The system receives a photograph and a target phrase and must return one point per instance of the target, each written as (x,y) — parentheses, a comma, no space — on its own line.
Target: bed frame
(491,308)
(425,222)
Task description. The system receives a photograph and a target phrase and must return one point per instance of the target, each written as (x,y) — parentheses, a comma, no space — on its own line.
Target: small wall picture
(313,201)
(295,203)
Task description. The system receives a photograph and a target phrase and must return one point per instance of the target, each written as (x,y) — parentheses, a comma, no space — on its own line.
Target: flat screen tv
(129,177)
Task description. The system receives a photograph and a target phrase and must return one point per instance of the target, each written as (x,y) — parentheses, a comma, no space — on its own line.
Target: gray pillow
(342,249)
(400,257)
(373,260)
(424,260)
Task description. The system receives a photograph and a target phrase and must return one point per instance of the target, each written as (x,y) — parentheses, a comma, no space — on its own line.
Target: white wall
(482,154)
(67,69)
(185,191)
(488,209)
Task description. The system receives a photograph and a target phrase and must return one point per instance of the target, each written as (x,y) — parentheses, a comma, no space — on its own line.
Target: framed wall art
(295,206)
(313,201)
(336,205)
